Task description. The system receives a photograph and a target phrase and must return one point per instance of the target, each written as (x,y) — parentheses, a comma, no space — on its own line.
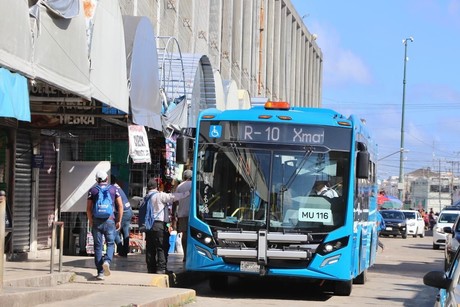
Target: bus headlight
(332,246)
(202,237)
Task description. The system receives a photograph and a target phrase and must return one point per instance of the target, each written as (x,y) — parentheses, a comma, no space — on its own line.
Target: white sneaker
(106,267)
(100,276)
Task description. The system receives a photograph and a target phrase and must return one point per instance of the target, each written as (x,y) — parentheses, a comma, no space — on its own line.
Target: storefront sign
(38,161)
(139,149)
(57,107)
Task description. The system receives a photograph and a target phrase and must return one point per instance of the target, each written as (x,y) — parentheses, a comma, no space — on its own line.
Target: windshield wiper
(288,184)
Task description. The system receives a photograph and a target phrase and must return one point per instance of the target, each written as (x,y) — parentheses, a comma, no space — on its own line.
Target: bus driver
(322,189)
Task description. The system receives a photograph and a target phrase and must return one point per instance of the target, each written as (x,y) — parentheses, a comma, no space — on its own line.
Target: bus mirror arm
(182,144)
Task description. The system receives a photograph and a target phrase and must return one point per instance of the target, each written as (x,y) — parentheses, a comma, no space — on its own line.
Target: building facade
(77,88)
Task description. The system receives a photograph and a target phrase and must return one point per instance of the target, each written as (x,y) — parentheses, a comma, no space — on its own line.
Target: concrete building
(426,189)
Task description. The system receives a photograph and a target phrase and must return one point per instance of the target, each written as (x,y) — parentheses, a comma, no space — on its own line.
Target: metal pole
(2,236)
(401,155)
(53,245)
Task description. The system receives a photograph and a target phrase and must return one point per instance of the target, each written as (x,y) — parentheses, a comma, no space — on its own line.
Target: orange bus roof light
(277,105)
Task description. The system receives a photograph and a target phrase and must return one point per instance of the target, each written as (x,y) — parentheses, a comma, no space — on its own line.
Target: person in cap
(103,228)
(122,237)
(157,239)
(182,208)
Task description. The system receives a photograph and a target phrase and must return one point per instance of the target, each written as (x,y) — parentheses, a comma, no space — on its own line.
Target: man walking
(157,239)
(122,237)
(101,218)
(182,208)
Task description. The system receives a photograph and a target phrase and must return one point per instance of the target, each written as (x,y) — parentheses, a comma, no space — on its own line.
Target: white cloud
(341,65)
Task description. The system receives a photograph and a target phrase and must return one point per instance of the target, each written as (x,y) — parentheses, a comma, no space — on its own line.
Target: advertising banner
(139,149)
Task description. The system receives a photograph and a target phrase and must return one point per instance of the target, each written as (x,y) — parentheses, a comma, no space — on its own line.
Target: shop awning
(15,37)
(61,51)
(14,96)
(142,68)
(108,76)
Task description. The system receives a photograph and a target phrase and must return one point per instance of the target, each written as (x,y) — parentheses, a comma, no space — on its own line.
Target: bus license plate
(249,266)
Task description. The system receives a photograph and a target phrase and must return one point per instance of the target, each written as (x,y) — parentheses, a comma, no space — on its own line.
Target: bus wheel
(343,288)
(361,278)
(218,282)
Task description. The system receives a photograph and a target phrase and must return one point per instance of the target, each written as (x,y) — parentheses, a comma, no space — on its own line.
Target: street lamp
(401,155)
(399,151)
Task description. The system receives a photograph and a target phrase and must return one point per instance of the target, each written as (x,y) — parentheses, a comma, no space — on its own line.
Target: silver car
(447,283)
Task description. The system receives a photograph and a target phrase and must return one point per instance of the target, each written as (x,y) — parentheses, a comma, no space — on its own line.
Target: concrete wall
(262,45)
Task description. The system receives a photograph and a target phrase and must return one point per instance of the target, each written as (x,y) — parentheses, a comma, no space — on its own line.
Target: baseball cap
(187,174)
(101,175)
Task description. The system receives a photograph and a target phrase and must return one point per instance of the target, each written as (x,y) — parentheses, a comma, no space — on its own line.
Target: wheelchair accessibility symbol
(215,131)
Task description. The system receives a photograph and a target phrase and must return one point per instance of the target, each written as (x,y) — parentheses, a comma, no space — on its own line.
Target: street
(396,279)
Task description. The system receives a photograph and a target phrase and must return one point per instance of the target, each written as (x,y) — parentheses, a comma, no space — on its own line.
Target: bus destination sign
(280,133)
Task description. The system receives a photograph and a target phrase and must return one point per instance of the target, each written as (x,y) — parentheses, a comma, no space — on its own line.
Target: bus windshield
(279,189)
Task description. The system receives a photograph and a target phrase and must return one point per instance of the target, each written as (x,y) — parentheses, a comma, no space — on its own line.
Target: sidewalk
(30,283)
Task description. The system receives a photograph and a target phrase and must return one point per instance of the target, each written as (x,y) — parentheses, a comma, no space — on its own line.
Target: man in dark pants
(123,242)
(157,239)
(182,208)
(103,228)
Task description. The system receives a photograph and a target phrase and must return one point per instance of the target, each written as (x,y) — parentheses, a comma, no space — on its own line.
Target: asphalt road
(395,280)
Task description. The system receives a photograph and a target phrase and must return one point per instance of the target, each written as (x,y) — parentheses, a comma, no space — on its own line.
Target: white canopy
(15,37)
(109,82)
(61,52)
(142,62)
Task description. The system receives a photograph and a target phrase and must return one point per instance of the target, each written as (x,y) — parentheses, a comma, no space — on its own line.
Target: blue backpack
(146,217)
(103,207)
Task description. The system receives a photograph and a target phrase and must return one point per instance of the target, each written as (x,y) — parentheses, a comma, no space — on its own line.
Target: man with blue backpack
(154,218)
(101,218)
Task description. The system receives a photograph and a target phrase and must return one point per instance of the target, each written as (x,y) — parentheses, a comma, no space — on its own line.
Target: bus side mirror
(362,165)
(182,149)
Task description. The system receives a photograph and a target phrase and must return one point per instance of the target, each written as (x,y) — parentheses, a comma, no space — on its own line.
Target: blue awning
(14,96)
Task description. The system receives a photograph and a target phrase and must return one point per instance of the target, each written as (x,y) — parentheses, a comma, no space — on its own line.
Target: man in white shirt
(157,239)
(182,208)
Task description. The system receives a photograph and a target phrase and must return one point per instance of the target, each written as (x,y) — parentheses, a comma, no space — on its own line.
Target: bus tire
(343,288)
(361,278)
(218,282)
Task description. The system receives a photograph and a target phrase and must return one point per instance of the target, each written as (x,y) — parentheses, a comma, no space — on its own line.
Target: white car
(446,219)
(415,224)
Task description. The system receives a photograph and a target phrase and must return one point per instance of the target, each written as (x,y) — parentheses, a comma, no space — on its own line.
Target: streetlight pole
(401,155)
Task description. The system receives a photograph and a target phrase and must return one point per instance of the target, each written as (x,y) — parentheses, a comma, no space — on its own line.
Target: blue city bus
(254,211)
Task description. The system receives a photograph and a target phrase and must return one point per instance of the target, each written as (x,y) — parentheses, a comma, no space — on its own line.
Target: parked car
(446,282)
(446,219)
(395,223)
(452,242)
(415,223)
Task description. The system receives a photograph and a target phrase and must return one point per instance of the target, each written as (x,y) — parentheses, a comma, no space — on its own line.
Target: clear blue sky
(363,71)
